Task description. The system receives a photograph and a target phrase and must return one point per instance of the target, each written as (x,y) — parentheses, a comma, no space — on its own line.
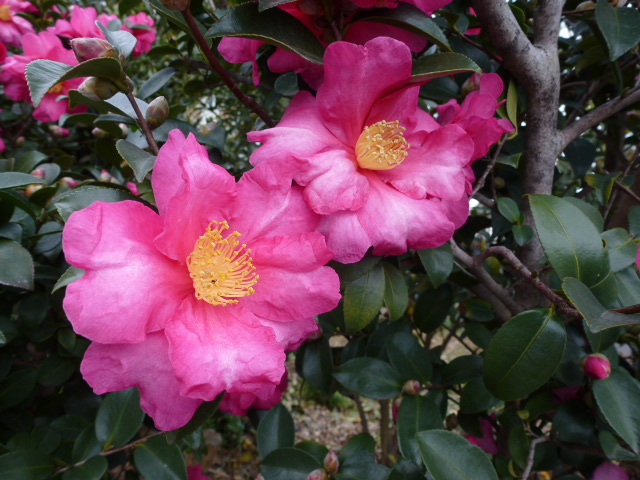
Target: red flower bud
(90,48)
(157,112)
(331,462)
(596,366)
(411,387)
(98,89)
(318,474)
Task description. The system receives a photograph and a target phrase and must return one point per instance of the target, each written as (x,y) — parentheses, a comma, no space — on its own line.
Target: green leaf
(276,431)
(415,414)
(613,450)
(287,84)
(363,298)
(475,397)
(448,456)
(598,318)
(156,82)
(288,464)
(28,161)
(83,197)
(441,65)
(370,377)
(315,449)
(55,370)
(358,447)
(396,293)
(523,234)
(406,470)
(620,28)
(509,209)
(203,413)
(25,465)
(432,308)
(524,353)
(273,26)
(617,398)
(16,265)
(69,276)
(363,471)
(409,357)
(621,248)
(438,262)
(408,17)
(572,243)
(124,42)
(314,363)
(17,179)
(462,369)
(86,445)
(159,460)
(42,75)
(581,154)
(17,387)
(119,418)
(140,161)
(92,469)
(173,16)
(267,4)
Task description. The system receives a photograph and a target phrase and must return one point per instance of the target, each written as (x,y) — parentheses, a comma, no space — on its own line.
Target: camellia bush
(429,207)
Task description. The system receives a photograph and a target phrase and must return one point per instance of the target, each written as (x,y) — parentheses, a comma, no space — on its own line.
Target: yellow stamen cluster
(381,146)
(5,13)
(221,268)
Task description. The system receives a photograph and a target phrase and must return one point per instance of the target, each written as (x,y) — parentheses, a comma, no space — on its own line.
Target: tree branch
(143,124)
(531,456)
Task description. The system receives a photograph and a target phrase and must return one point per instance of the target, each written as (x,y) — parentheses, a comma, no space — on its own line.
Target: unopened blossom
(44,45)
(13,27)
(202,297)
(596,366)
(610,471)
(380,170)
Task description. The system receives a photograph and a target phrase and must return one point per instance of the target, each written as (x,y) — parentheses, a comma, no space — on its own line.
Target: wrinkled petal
(345,236)
(129,288)
(457,210)
(292,334)
(241,50)
(402,105)
(146,365)
(264,399)
(216,349)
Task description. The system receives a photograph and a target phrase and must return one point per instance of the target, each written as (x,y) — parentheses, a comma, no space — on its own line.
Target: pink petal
(266,398)
(430,6)
(610,471)
(241,50)
(222,348)
(129,288)
(145,365)
(285,61)
(355,78)
(345,236)
(457,211)
(402,105)
(291,334)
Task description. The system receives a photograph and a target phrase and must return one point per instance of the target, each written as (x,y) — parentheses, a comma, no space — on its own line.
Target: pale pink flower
(13,27)
(176,305)
(381,171)
(487,442)
(146,36)
(45,45)
(610,471)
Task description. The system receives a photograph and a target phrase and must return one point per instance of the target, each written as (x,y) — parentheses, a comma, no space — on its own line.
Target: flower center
(221,268)
(5,13)
(381,146)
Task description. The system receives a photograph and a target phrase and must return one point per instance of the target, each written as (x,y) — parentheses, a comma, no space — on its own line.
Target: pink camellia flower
(45,45)
(194,472)
(141,26)
(610,471)
(487,442)
(596,366)
(13,27)
(240,403)
(176,305)
(381,171)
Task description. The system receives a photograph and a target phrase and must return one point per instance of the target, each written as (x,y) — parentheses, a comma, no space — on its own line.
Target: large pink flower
(141,26)
(45,45)
(380,170)
(12,26)
(176,305)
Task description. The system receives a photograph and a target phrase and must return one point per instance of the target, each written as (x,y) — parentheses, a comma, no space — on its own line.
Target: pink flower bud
(176,5)
(331,462)
(596,366)
(133,188)
(100,133)
(157,112)
(68,182)
(411,387)
(39,173)
(318,474)
(471,84)
(31,189)
(105,176)
(98,89)
(90,48)
(58,132)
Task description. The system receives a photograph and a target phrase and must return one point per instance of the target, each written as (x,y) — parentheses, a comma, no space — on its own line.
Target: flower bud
(157,112)
(318,474)
(90,48)
(68,182)
(31,189)
(58,132)
(596,366)
(176,5)
(411,387)
(588,5)
(331,462)
(38,173)
(98,89)
(100,133)
(471,84)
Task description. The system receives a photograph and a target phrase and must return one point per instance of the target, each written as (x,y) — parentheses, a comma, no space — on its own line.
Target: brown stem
(531,456)
(361,413)
(143,124)
(228,81)
(384,431)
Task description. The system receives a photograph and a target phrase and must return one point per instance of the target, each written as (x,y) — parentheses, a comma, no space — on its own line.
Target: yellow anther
(5,13)
(381,146)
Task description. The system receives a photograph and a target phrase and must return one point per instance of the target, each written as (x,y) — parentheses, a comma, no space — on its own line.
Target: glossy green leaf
(69,276)
(173,16)
(287,84)
(86,445)
(523,234)
(438,263)
(83,197)
(314,363)
(621,248)
(613,450)
(17,387)
(602,340)
(462,369)
(409,358)
(572,243)
(119,418)
(512,106)
(159,460)
(288,464)
(370,377)
(124,42)
(273,26)
(396,293)
(617,398)
(140,161)
(17,179)
(449,456)
(598,317)
(406,470)
(156,82)
(55,370)
(363,471)
(315,449)
(16,265)
(92,469)
(620,28)
(42,75)
(509,209)
(267,4)
(363,298)
(475,397)
(25,465)
(432,308)
(358,449)
(628,286)
(581,154)
(523,354)
(407,17)
(441,65)
(415,414)
(27,161)
(276,430)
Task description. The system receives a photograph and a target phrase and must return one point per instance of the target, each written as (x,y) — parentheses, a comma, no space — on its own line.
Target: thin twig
(361,412)
(228,81)
(143,124)
(492,163)
(384,431)
(531,456)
